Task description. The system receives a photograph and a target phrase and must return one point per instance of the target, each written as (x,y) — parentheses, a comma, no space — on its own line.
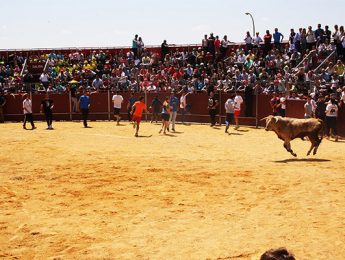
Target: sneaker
(34,127)
(136,135)
(24,127)
(173,129)
(236,127)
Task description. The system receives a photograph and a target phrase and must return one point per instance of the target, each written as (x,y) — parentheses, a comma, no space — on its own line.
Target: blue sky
(105,23)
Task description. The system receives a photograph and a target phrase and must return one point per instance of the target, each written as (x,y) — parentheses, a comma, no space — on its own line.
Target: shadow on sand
(302,160)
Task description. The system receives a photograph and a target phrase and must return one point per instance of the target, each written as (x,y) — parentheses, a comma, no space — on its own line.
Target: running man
(229,109)
(84,104)
(137,112)
(117,99)
(47,106)
(165,115)
(237,109)
(27,109)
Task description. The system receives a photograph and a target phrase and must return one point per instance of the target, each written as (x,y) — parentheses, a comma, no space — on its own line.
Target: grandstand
(295,72)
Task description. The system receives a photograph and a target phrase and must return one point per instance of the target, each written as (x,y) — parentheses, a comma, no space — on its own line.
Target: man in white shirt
(238,100)
(117,99)
(27,109)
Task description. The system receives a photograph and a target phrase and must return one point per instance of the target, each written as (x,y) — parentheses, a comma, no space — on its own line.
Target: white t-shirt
(27,106)
(343,96)
(117,99)
(283,102)
(238,101)
(183,101)
(332,110)
(229,106)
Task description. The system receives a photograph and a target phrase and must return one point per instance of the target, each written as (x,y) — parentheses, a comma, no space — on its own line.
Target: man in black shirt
(212,107)
(155,105)
(47,108)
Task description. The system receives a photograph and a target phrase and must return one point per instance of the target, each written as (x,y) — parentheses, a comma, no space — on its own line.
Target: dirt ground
(101,193)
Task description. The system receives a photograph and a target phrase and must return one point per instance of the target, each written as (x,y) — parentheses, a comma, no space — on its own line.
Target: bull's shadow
(302,160)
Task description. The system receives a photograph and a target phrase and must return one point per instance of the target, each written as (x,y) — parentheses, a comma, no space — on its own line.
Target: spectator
(44,78)
(164,49)
(257,40)
(277,254)
(140,45)
(135,45)
(277,38)
(97,83)
(267,43)
(248,40)
(224,46)
(319,34)
(210,45)
(311,39)
(275,104)
(309,108)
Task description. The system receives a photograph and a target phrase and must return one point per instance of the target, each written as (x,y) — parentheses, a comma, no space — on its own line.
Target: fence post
(108,104)
(145,103)
(70,105)
(256,109)
(220,107)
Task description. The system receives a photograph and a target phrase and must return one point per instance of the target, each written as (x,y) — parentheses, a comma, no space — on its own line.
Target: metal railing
(324,61)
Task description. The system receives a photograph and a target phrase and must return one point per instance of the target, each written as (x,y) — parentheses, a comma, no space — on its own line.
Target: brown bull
(288,129)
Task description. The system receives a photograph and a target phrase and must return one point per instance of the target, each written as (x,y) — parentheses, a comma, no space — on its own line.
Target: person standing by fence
(331,119)
(174,102)
(47,106)
(117,100)
(27,108)
(84,104)
(212,108)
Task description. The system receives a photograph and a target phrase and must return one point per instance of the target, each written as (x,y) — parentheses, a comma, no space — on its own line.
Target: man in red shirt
(267,42)
(137,112)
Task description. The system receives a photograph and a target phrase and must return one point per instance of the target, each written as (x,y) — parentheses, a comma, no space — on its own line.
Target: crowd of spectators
(264,65)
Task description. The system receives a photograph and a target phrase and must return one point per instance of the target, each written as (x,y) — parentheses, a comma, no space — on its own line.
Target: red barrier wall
(100,110)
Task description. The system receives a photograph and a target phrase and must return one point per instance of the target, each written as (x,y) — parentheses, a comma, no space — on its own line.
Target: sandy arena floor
(101,193)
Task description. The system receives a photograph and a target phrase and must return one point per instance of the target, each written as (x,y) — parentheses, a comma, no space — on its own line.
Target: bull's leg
(313,144)
(288,148)
(318,141)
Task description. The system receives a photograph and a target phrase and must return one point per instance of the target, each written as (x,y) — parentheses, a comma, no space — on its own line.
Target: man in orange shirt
(137,112)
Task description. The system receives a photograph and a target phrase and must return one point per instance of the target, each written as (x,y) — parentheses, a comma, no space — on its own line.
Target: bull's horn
(276,119)
(262,119)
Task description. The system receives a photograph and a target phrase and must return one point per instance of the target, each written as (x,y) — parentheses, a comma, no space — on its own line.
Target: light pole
(253,23)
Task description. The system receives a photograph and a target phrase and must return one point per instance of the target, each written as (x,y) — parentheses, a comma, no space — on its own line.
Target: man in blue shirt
(277,38)
(174,102)
(84,104)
